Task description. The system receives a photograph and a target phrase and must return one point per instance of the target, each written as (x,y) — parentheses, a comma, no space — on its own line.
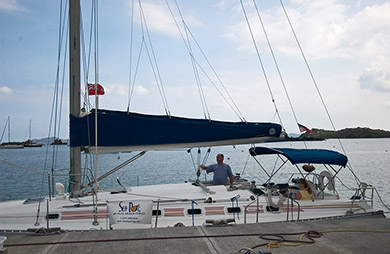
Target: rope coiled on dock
(278,239)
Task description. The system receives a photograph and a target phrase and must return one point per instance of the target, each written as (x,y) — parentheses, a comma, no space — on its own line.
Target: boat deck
(209,239)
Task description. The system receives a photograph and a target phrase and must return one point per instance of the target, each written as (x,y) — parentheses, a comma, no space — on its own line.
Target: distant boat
(9,144)
(58,142)
(29,142)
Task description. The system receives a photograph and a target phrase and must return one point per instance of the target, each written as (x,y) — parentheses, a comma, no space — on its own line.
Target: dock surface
(357,235)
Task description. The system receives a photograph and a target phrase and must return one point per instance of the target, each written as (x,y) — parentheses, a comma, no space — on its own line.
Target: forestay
(123,131)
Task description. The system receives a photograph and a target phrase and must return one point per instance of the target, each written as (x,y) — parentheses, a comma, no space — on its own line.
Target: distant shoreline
(348,133)
(317,135)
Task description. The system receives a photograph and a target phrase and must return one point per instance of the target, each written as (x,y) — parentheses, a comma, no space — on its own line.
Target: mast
(74,90)
(29,131)
(9,129)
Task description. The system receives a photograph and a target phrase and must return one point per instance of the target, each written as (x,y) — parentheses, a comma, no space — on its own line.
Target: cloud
(317,35)
(220,4)
(366,32)
(116,89)
(140,90)
(336,34)
(387,104)
(159,18)
(5,90)
(376,80)
(11,6)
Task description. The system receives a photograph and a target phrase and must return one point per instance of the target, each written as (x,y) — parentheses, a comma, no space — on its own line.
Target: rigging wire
(206,157)
(235,108)
(62,92)
(56,113)
(130,92)
(86,61)
(96,51)
(135,74)
(261,63)
(246,164)
(193,161)
(2,135)
(89,159)
(218,90)
(86,105)
(277,66)
(86,102)
(54,110)
(349,166)
(57,95)
(187,42)
(153,63)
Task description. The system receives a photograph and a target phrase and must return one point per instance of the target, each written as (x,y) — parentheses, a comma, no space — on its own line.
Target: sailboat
(9,144)
(194,202)
(29,142)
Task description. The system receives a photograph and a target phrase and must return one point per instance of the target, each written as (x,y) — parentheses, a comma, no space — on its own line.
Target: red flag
(303,128)
(92,89)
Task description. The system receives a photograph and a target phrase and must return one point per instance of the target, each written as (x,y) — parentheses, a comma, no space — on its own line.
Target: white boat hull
(175,208)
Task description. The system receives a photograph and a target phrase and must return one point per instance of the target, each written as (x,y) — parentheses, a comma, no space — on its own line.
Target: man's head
(220,158)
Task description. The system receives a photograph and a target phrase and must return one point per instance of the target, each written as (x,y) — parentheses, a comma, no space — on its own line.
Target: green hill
(359,132)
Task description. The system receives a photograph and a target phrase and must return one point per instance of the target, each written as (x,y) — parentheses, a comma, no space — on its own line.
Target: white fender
(330,178)
(60,189)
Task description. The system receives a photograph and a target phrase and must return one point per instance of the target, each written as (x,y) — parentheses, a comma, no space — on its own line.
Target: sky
(346,44)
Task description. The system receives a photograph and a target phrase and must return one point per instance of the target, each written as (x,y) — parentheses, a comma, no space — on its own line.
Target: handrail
(362,191)
(292,210)
(246,208)
(299,208)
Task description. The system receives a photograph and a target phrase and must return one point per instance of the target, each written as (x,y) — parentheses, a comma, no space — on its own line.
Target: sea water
(23,172)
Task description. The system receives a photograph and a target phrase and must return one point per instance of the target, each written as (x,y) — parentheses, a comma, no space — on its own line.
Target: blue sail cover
(313,156)
(123,129)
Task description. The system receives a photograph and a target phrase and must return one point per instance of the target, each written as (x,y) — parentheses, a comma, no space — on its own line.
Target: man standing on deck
(221,171)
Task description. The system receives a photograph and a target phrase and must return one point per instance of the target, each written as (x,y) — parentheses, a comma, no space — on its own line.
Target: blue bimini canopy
(132,131)
(312,156)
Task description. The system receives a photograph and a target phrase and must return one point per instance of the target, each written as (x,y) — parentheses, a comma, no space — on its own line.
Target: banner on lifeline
(134,211)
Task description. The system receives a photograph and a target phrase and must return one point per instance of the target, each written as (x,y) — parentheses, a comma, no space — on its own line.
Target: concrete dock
(353,235)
